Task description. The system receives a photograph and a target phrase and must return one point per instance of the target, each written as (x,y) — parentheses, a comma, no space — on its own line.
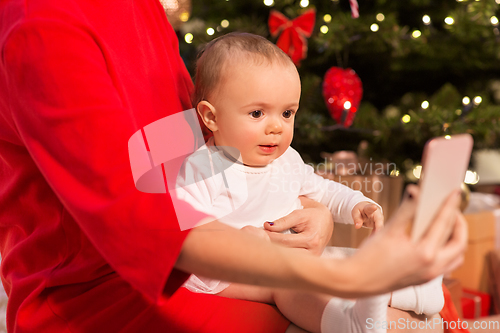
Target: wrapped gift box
(496,212)
(455,289)
(494,280)
(475,304)
(481,202)
(473,274)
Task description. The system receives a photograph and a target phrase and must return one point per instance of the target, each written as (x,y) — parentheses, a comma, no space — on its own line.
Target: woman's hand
(313,226)
(393,259)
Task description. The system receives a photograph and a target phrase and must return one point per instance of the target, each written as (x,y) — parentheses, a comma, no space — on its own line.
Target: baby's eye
(288,114)
(256,114)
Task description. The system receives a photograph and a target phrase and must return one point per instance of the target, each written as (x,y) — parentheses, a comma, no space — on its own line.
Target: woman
(82,249)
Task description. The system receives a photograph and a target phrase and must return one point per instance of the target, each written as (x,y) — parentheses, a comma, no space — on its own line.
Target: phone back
(444,164)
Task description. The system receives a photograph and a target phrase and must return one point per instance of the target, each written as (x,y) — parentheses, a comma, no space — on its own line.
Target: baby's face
(255,110)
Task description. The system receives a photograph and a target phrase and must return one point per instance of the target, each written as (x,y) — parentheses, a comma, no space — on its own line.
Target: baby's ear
(207,115)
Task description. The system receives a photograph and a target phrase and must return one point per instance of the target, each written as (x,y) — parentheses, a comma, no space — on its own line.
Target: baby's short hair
(215,54)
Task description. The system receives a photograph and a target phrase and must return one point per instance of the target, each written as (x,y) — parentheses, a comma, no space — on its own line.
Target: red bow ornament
(293,33)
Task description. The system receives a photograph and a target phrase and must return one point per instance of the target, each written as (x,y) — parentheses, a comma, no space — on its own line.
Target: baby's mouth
(268,149)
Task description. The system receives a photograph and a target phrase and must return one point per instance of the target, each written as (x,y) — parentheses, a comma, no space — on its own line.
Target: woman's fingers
(416,262)
(441,227)
(311,228)
(379,220)
(452,253)
(293,220)
(301,240)
(285,223)
(260,233)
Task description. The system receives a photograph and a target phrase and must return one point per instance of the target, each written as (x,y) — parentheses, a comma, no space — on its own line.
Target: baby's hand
(367,214)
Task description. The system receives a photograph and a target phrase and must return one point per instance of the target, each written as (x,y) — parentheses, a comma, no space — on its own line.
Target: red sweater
(82,249)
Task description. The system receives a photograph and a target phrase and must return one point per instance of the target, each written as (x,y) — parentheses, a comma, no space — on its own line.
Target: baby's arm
(344,203)
(341,200)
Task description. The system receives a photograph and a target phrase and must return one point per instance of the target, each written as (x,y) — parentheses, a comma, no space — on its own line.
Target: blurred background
(427,68)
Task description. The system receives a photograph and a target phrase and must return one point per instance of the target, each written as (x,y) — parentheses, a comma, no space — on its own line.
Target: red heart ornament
(342,91)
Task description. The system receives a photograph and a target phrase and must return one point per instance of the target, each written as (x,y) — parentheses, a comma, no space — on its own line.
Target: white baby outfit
(240,195)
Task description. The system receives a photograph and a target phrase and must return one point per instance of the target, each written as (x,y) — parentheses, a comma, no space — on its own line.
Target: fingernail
(271,223)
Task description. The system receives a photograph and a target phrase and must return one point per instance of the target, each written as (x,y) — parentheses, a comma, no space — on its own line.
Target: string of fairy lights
(327,18)
(471,177)
(374,27)
(468,103)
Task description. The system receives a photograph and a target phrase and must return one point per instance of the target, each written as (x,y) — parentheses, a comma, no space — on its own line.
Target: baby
(247,93)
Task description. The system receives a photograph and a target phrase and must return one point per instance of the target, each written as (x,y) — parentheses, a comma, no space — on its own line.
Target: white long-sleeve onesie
(240,195)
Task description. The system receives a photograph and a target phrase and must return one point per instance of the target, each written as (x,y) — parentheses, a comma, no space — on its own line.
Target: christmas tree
(428,68)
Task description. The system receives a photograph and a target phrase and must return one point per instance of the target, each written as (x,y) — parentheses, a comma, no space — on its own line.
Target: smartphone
(444,164)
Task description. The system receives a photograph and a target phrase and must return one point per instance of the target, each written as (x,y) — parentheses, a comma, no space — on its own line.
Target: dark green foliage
(444,64)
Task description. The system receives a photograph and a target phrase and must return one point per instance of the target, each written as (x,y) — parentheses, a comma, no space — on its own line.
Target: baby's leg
(399,321)
(326,314)
(316,312)
(249,293)
(294,329)
(425,299)
(301,308)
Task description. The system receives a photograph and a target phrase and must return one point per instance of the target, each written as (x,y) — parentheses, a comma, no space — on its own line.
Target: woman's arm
(387,261)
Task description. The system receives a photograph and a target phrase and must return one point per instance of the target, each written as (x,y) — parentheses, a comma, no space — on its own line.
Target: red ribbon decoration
(293,33)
